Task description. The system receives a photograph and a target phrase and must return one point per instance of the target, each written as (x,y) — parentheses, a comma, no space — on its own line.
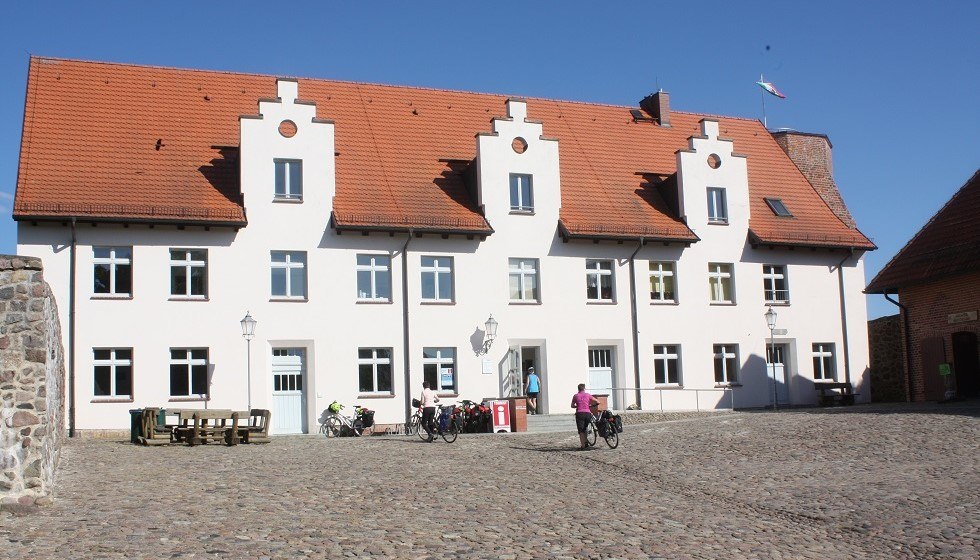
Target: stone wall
(887,359)
(32,383)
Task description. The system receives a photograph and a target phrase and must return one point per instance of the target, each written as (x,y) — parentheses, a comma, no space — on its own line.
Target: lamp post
(491,333)
(771,321)
(248,333)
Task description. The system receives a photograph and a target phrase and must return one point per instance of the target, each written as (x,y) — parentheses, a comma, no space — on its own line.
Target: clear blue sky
(895,85)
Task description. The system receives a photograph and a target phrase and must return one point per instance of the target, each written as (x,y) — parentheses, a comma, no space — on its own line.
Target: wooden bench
(256,428)
(203,426)
(152,432)
(835,393)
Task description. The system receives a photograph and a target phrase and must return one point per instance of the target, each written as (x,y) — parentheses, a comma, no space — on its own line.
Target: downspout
(636,335)
(843,315)
(405,327)
(71,334)
(909,397)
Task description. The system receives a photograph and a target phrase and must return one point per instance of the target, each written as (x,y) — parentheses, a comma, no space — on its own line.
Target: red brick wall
(812,155)
(929,307)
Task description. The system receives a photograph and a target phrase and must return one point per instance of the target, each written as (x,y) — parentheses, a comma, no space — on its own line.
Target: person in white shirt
(429,400)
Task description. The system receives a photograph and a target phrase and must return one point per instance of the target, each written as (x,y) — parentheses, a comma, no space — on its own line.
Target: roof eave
(122,220)
(567,234)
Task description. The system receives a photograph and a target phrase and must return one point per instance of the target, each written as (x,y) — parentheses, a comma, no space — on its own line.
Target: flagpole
(763,94)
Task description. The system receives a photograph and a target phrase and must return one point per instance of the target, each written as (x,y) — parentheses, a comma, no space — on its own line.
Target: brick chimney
(813,156)
(657,105)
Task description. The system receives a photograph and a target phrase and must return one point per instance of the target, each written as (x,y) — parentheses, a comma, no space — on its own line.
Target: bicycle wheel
(358,427)
(333,426)
(591,434)
(612,438)
(417,427)
(451,432)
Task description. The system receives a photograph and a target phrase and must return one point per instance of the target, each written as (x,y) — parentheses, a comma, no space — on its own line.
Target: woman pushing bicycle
(582,402)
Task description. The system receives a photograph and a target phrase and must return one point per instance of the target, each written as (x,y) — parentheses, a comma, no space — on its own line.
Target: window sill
(727,385)
(717,223)
(188,399)
(600,302)
(189,298)
(824,381)
(669,387)
(104,400)
(116,297)
(436,302)
(663,302)
(519,302)
(522,212)
(448,395)
(723,303)
(288,300)
(375,301)
(778,303)
(376,396)
(285,200)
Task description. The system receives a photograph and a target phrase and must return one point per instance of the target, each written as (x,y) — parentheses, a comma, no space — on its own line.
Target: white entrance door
(601,378)
(776,362)
(512,383)
(288,399)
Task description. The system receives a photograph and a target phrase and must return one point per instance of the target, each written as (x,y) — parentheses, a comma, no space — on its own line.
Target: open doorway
(966,364)
(520,361)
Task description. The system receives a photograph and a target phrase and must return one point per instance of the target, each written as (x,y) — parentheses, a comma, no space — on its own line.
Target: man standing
(429,400)
(582,403)
(532,386)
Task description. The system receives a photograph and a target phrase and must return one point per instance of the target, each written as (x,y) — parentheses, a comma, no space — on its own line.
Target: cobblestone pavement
(864,482)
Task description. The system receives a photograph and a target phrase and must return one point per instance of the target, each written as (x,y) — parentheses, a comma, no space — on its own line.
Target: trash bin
(135,424)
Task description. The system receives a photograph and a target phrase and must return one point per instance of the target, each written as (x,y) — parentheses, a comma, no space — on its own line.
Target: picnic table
(197,426)
(835,393)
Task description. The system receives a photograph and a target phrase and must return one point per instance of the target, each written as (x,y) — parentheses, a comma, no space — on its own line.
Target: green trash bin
(135,424)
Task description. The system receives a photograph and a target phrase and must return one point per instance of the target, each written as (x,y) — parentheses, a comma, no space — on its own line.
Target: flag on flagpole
(771,89)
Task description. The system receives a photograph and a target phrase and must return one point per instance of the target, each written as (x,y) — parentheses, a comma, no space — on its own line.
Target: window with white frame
(113,369)
(437,279)
(189,372)
(439,369)
(717,206)
(774,284)
(823,361)
(599,280)
(374,370)
(666,364)
(726,363)
(189,273)
(720,283)
(521,193)
(524,279)
(374,277)
(662,281)
(289,274)
(289,179)
(112,271)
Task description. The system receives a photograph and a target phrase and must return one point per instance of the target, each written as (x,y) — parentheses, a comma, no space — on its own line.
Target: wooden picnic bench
(256,428)
(196,426)
(835,393)
(208,426)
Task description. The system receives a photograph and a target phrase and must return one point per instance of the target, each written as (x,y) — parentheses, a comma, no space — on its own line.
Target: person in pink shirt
(429,400)
(582,402)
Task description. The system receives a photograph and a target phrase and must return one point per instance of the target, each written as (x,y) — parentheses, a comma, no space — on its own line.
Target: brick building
(937,279)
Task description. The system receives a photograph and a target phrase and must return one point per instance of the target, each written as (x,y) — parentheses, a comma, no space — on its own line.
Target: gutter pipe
(71,334)
(909,397)
(636,335)
(405,331)
(843,315)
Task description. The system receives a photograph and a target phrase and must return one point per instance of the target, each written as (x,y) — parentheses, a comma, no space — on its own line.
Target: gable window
(437,279)
(524,279)
(599,280)
(778,208)
(726,363)
(439,369)
(374,370)
(113,368)
(189,273)
(373,277)
(666,363)
(662,281)
(289,274)
(521,193)
(717,206)
(189,372)
(774,284)
(289,179)
(823,361)
(720,283)
(112,271)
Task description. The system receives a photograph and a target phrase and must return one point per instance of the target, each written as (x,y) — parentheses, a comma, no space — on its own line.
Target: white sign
(487,366)
(963,317)
(780,332)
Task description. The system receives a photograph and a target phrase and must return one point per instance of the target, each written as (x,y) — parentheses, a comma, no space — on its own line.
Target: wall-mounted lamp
(490,334)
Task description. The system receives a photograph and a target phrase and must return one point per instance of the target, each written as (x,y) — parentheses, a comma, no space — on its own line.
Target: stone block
(36,355)
(4,342)
(14,317)
(18,306)
(26,442)
(7,292)
(23,418)
(38,290)
(37,305)
(21,289)
(5,484)
(19,276)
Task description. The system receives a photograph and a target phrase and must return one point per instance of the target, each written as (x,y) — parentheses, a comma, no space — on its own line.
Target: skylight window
(778,207)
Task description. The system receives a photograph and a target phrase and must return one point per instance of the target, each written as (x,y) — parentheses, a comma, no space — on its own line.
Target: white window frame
(595,274)
(189,362)
(374,361)
(659,272)
(663,355)
(726,352)
(112,363)
(717,205)
(289,263)
(517,202)
(374,269)
(824,359)
(441,270)
(440,361)
(290,167)
(771,273)
(188,264)
(717,277)
(522,269)
(113,261)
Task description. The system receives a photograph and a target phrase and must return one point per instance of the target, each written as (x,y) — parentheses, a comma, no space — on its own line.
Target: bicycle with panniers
(606,425)
(338,424)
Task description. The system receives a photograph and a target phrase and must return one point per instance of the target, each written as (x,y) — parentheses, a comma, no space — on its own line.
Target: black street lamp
(771,321)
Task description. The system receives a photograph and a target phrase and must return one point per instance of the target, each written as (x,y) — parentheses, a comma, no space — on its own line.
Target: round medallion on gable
(287,128)
(714,162)
(519,145)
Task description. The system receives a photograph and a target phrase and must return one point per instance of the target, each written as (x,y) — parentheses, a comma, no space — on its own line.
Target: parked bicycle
(338,424)
(608,426)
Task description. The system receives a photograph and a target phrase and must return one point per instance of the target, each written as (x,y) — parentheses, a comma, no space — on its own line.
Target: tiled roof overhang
(811,240)
(406,224)
(644,234)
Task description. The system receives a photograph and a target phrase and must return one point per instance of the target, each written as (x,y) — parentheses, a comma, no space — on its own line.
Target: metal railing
(697,395)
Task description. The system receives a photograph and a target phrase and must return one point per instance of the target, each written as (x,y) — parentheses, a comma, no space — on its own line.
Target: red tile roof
(949,244)
(117,141)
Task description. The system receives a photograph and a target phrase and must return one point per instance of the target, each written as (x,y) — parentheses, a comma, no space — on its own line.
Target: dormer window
(779,208)
(289,179)
(521,193)
(717,206)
